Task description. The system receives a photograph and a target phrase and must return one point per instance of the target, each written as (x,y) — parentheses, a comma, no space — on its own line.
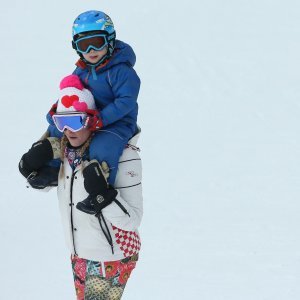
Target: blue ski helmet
(91,22)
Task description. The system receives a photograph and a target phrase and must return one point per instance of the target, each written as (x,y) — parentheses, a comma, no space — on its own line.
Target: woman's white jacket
(83,232)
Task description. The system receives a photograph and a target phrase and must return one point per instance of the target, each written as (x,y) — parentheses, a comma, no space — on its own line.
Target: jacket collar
(82,65)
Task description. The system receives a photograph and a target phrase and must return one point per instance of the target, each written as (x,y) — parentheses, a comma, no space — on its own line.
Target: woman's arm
(127,211)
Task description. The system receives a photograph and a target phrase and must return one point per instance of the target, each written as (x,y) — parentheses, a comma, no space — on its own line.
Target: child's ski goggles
(74,122)
(85,44)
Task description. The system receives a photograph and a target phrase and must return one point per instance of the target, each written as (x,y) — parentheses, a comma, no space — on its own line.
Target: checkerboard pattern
(129,241)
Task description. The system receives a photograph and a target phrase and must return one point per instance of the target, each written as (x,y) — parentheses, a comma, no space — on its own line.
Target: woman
(100,222)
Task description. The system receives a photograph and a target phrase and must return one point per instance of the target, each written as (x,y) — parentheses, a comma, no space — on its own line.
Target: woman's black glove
(100,193)
(33,163)
(38,155)
(47,176)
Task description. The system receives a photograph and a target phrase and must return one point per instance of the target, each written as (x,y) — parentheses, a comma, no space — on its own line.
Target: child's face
(77,138)
(94,56)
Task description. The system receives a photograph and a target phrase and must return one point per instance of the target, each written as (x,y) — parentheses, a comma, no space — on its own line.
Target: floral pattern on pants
(91,283)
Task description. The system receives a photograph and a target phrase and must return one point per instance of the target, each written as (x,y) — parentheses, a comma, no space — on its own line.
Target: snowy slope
(219,111)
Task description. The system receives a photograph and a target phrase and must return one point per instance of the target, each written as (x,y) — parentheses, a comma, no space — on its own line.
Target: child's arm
(125,85)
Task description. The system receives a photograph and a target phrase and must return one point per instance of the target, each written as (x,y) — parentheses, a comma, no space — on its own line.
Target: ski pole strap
(122,207)
(105,231)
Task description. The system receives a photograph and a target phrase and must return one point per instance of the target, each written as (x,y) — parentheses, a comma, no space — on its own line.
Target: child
(106,68)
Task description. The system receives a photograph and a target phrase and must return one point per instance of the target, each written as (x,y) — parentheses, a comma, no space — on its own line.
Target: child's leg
(108,146)
(92,282)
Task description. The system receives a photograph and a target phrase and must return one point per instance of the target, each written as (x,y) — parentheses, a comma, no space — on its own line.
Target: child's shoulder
(123,54)
(80,68)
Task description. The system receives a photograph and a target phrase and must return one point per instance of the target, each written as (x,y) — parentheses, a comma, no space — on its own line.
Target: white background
(219,111)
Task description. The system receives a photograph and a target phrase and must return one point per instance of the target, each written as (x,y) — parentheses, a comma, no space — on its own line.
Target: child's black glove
(100,194)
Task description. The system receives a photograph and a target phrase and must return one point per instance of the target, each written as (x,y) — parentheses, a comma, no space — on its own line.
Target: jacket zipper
(72,204)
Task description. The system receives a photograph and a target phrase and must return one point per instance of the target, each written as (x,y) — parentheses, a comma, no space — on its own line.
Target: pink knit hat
(74,97)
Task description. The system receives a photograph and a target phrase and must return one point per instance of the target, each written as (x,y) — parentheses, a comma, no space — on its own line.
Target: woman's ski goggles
(96,42)
(73,122)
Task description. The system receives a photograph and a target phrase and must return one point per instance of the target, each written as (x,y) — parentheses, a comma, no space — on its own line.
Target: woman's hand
(95,183)
(33,164)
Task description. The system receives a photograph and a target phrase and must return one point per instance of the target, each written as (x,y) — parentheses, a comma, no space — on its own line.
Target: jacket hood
(123,54)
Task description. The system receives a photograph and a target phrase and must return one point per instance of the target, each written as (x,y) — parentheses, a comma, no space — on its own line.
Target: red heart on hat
(67,101)
(80,106)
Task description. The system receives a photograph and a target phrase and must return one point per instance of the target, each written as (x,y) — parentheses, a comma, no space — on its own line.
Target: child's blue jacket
(115,87)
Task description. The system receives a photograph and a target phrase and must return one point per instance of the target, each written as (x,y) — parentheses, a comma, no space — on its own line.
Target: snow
(219,111)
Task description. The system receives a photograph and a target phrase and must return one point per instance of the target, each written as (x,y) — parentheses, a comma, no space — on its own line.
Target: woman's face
(77,138)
